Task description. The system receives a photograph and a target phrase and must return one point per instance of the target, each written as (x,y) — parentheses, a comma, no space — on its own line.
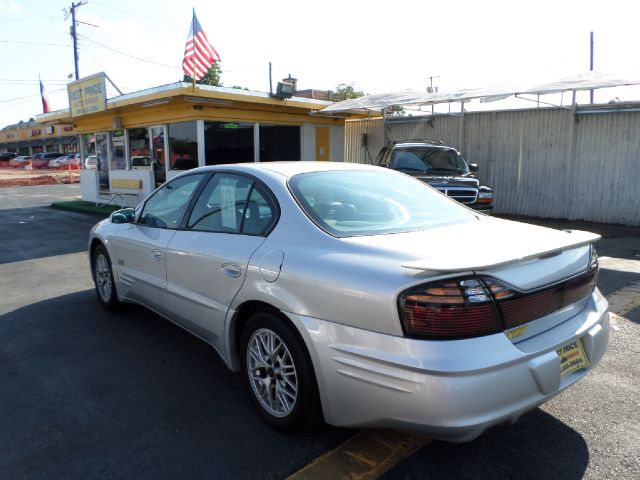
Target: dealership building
(132,143)
(29,138)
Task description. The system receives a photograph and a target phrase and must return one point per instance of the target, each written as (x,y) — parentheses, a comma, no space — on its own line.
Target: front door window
(167,206)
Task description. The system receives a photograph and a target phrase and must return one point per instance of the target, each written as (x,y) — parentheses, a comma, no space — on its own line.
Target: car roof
(289,169)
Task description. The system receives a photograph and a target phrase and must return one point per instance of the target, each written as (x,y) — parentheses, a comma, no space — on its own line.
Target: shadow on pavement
(37,232)
(611,280)
(538,446)
(86,393)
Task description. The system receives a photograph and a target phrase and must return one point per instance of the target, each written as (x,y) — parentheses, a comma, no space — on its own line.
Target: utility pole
(591,61)
(74,34)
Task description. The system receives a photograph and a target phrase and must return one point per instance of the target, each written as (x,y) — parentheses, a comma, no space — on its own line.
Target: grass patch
(86,207)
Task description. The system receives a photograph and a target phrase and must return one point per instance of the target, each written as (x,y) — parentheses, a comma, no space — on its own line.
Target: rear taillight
(517,308)
(458,308)
(475,306)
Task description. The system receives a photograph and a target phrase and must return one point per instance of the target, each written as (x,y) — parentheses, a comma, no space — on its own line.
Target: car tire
(278,373)
(103,279)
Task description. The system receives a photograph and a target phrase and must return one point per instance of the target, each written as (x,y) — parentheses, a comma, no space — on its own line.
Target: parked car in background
(59,162)
(441,167)
(20,162)
(38,160)
(64,161)
(41,160)
(74,160)
(7,155)
(141,163)
(91,162)
(351,292)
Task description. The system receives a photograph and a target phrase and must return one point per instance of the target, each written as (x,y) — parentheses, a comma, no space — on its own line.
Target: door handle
(156,254)
(231,270)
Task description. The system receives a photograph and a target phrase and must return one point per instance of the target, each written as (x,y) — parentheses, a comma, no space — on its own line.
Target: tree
(212,77)
(344,92)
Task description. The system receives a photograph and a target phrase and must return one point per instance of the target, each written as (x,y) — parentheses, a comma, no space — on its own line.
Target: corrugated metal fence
(542,163)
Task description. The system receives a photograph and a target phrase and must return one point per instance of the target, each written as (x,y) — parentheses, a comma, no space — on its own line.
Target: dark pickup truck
(440,166)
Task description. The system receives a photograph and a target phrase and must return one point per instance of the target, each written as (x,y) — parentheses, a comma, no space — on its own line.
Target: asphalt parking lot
(87,394)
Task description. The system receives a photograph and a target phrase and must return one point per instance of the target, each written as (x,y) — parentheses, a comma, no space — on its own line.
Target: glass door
(103,152)
(158,154)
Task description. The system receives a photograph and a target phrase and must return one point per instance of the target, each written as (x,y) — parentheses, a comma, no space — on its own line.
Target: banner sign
(87,95)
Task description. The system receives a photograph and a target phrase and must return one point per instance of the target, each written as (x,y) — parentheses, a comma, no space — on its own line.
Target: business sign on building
(87,95)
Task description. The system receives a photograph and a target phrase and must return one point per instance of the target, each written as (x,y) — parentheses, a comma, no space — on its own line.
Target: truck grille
(461,194)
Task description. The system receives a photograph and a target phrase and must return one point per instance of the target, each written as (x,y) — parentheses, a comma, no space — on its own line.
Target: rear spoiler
(574,239)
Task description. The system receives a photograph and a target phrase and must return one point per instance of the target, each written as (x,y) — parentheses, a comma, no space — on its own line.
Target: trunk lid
(525,256)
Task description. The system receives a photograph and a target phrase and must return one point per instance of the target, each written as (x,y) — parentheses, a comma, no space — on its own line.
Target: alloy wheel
(104,280)
(272,372)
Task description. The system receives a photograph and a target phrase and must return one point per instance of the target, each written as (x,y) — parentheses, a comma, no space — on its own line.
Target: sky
(376,46)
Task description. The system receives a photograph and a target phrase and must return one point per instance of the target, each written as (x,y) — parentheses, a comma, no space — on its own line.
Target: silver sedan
(360,296)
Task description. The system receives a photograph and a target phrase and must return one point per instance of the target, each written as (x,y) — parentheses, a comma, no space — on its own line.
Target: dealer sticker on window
(572,358)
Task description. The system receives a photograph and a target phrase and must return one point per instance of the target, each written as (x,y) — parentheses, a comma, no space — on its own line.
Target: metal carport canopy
(378,102)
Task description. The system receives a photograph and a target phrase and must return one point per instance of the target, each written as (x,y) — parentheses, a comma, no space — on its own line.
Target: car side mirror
(126,215)
(473,167)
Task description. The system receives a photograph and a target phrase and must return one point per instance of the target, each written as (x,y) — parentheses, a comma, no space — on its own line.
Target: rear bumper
(448,390)
(483,207)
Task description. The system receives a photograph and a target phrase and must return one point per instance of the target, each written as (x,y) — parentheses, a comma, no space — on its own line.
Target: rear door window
(232,204)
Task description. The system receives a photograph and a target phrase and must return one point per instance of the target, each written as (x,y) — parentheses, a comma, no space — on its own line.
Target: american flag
(199,54)
(45,99)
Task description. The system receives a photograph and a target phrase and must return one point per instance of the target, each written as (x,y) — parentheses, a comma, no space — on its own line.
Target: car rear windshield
(356,203)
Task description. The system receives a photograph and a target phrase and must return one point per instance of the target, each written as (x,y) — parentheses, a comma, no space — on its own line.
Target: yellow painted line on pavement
(365,456)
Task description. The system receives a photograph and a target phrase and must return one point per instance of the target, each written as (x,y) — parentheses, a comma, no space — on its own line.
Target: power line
(128,54)
(86,50)
(135,14)
(246,69)
(18,98)
(35,43)
(30,96)
(29,19)
(31,80)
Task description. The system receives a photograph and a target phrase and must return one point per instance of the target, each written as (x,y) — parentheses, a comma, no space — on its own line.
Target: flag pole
(193,37)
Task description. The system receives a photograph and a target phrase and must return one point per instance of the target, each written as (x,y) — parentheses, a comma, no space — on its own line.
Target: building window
(279,143)
(228,142)
(183,146)
(118,158)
